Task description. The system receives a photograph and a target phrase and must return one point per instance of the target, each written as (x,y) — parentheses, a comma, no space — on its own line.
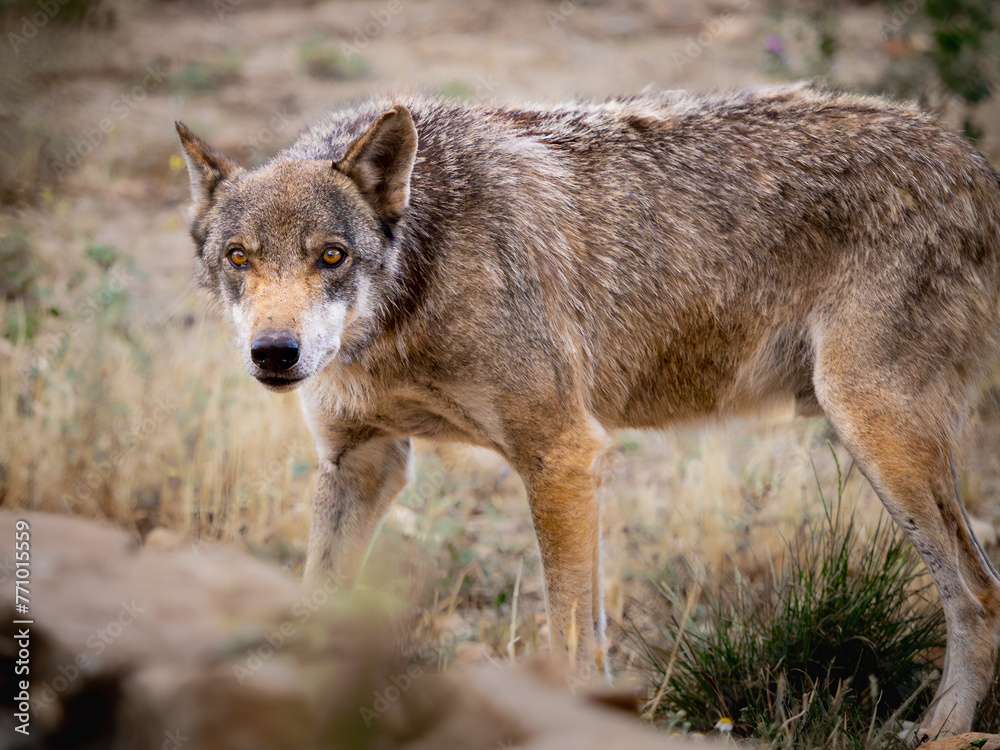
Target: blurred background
(123,399)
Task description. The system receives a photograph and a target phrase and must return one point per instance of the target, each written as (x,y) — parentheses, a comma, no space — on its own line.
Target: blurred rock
(210,649)
(967,741)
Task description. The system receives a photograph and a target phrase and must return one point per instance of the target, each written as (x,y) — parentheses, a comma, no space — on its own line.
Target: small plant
(941,52)
(805,39)
(944,52)
(205,76)
(320,60)
(20,274)
(836,649)
(104,256)
(457,90)
(962,31)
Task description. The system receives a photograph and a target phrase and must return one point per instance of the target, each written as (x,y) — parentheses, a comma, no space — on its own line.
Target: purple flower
(774,45)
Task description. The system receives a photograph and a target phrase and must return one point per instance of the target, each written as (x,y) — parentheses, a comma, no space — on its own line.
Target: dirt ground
(90,157)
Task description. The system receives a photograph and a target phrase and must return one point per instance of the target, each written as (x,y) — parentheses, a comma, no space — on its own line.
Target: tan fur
(527,279)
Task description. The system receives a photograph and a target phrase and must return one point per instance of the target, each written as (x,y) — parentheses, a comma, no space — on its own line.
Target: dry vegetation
(122,398)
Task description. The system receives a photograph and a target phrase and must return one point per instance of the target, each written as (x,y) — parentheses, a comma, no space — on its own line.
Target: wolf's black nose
(275,352)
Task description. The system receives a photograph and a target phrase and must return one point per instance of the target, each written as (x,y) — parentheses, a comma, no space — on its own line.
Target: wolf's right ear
(380,162)
(206,166)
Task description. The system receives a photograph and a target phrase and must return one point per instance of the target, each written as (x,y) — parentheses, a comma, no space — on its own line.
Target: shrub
(836,649)
(20,273)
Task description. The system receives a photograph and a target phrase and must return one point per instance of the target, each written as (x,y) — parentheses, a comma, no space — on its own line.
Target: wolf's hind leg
(902,433)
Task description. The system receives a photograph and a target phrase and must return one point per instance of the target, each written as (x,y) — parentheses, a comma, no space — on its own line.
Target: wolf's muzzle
(275,351)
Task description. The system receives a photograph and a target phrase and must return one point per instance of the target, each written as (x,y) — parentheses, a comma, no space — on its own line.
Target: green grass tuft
(835,651)
(320,59)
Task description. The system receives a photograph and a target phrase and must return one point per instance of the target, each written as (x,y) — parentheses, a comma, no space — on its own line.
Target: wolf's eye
(333,255)
(238,257)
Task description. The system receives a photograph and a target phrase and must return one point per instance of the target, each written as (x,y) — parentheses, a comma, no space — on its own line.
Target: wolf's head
(297,251)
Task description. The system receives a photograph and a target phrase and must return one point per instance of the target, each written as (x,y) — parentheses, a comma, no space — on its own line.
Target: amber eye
(238,257)
(333,255)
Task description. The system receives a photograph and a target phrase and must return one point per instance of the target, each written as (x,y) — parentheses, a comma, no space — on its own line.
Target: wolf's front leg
(357,481)
(561,479)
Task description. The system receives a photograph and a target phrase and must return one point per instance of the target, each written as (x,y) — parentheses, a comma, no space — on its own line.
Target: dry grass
(108,416)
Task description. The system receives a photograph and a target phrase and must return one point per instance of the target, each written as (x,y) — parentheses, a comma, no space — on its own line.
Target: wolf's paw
(912,734)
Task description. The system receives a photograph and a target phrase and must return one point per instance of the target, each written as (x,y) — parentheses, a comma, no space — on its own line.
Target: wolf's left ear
(380,162)
(207,167)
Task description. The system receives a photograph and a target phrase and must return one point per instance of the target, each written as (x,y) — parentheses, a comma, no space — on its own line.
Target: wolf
(530,278)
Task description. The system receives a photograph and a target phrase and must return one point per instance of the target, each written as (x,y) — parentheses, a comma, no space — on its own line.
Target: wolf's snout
(275,351)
